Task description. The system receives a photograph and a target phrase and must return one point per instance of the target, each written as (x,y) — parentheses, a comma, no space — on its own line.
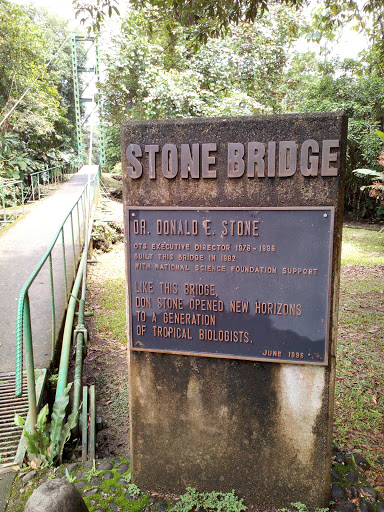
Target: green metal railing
(15,193)
(12,195)
(49,176)
(74,224)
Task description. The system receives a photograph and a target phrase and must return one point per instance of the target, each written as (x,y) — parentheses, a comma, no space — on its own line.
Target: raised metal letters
(279,158)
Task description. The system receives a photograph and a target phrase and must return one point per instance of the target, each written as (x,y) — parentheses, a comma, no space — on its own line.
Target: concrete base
(258,428)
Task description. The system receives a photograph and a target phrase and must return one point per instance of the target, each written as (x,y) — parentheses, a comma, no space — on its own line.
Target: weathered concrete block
(56,496)
(263,429)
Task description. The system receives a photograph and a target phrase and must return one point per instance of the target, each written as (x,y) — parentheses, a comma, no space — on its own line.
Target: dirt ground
(106,363)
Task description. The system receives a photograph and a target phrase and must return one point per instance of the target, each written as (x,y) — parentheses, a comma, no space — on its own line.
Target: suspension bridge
(39,259)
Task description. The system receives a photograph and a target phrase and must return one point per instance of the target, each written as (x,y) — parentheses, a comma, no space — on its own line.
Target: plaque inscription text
(237,283)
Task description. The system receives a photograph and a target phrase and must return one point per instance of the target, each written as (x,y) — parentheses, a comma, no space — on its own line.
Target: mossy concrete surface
(6,481)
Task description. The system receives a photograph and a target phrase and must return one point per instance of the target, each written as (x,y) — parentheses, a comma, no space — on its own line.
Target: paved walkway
(22,246)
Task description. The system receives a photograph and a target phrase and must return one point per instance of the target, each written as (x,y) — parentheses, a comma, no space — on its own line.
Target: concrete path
(22,246)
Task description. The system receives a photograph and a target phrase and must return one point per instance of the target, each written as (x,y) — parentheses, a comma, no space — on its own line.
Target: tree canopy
(203,18)
(39,129)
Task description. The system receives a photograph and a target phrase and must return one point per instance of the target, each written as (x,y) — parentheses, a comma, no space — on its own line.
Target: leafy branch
(377,177)
(46,446)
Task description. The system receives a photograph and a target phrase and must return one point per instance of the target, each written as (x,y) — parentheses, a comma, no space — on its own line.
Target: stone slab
(263,429)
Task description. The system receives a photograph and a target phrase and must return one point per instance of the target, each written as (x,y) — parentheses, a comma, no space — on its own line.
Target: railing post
(73,245)
(52,305)
(22,195)
(3,201)
(64,263)
(14,201)
(27,332)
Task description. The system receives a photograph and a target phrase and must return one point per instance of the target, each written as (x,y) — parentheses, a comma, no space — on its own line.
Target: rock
(82,474)
(71,467)
(113,507)
(345,507)
(95,480)
(361,461)
(161,506)
(152,499)
(29,476)
(369,494)
(122,481)
(131,497)
(113,488)
(91,492)
(337,493)
(380,506)
(108,476)
(80,485)
(365,506)
(123,468)
(352,476)
(88,464)
(104,466)
(340,459)
(335,476)
(353,492)
(56,496)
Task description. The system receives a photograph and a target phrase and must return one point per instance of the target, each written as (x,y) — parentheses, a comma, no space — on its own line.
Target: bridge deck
(22,246)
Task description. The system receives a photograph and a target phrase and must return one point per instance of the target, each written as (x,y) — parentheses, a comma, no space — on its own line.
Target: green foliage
(132,488)
(301,507)
(203,18)
(377,178)
(349,86)
(70,478)
(152,72)
(209,501)
(93,472)
(40,126)
(331,16)
(95,13)
(13,163)
(46,445)
(37,442)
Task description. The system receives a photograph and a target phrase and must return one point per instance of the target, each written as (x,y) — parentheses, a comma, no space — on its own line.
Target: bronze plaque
(240,283)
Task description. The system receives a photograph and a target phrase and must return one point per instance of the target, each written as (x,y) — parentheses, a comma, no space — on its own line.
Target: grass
(362,247)
(359,397)
(109,294)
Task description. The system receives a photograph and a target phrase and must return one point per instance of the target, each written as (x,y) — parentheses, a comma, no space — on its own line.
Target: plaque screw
(133,215)
(325,215)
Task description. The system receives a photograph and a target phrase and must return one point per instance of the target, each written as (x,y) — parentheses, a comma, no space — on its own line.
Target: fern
(46,445)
